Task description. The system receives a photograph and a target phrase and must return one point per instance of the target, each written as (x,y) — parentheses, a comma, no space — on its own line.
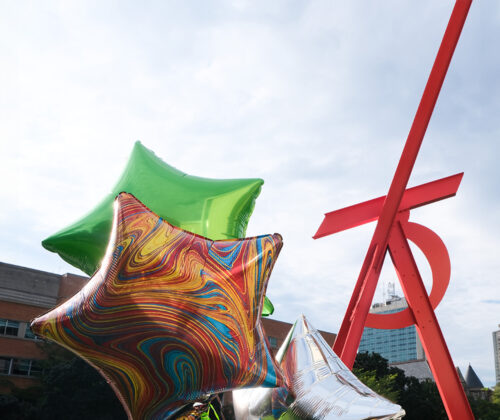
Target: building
(398,345)
(474,388)
(277,331)
(24,294)
(496,352)
(461,377)
(417,368)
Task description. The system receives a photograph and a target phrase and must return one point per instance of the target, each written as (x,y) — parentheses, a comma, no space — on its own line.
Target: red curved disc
(437,255)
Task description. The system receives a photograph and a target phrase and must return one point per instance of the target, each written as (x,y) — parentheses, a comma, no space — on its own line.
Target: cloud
(315,97)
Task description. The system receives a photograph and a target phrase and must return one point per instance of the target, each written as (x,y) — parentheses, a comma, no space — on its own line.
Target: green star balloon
(213,208)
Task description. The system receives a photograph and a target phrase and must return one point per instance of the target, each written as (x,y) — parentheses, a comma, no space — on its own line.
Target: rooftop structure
(472,380)
(417,368)
(474,388)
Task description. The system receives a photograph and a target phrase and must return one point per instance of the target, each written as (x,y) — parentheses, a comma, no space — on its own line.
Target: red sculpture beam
(369,211)
(389,233)
(429,243)
(349,336)
(432,339)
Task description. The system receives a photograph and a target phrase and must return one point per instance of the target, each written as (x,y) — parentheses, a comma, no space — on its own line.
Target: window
(8,327)
(16,329)
(5,365)
(11,328)
(273,342)
(21,367)
(35,368)
(29,334)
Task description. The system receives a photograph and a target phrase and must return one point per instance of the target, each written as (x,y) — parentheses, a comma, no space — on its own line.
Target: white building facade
(496,352)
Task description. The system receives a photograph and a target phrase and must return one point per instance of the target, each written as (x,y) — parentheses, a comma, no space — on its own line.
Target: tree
(385,385)
(70,389)
(420,399)
(495,397)
(485,410)
(369,362)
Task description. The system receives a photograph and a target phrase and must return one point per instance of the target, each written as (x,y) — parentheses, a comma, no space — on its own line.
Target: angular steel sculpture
(392,233)
(319,386)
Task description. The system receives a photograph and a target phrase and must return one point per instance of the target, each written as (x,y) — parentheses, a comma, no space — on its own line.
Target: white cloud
(314,97)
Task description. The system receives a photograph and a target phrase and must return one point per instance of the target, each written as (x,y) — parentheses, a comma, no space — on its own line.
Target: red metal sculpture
(392,233)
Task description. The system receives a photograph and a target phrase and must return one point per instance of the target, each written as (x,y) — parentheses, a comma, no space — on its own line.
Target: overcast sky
(315,97)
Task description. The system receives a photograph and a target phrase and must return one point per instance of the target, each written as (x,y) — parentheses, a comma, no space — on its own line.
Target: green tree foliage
(420,399)
(371,362)
(386,385)
(495,397)
(69,389)
(487,410)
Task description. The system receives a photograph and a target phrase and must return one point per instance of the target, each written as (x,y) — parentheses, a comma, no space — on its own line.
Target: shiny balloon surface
(318,386)
(213,208)
(171,316)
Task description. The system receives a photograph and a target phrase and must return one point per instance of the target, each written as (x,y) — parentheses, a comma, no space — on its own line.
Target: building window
(21,367)
(16,329)
(29,334)
(35,368)
(8,327)
(273,342)
(5,363)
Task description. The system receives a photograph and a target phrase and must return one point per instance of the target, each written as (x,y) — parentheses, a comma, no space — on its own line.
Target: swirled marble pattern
(170,316)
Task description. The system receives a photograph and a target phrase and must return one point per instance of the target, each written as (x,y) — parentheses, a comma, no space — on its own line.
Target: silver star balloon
(318,386)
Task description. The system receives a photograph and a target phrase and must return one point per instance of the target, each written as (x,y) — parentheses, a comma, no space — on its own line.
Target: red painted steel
(389,234)
(437,255)
(369,211)
(347,342)
(440,361)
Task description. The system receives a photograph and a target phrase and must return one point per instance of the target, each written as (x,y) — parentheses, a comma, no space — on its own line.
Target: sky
(314,97)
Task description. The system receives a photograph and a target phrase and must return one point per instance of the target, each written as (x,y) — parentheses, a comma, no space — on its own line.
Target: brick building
(277,331)
(26,293)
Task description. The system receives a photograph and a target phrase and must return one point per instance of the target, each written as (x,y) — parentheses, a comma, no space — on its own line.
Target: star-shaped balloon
(170,316)
(214,208)
(318,386)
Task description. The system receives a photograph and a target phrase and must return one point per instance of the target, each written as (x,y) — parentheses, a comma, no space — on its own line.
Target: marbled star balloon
(170,316)
(318,386)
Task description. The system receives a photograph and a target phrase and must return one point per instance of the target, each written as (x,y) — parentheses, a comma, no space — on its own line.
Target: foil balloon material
(195,412)
(214,208)
(170,316)
(199,410)
(268,307)
(318,386)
